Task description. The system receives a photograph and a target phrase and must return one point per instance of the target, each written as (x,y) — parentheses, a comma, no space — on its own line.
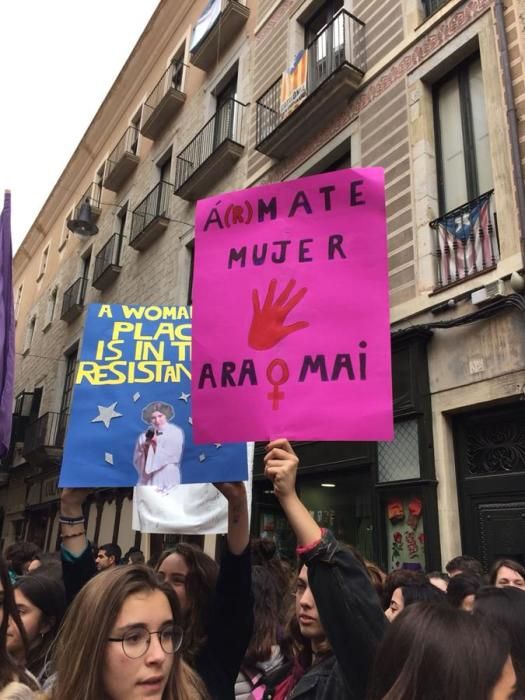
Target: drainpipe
(512,121)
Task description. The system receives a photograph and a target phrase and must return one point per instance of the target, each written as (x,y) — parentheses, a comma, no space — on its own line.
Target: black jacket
(230,625)
(352,619)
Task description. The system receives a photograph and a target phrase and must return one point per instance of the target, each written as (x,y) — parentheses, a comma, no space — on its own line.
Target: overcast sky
(58,59)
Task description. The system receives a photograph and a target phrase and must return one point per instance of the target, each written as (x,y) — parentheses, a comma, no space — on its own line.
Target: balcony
(326,76)
(122,160)
(92,196)
(164,102)
(227,25)
(107,263)
(73,301)
(44,438)
(432,6)
(466,241)
(150,219)
(215,148)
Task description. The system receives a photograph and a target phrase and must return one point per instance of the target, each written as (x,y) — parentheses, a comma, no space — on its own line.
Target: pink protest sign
(291,334)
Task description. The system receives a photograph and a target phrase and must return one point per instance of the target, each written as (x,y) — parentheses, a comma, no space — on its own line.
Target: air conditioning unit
(489,292)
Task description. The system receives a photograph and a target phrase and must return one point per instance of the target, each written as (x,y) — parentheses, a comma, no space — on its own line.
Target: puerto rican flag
(465,242)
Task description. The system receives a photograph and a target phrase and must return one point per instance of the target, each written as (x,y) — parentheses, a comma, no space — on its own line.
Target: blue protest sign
(131,421)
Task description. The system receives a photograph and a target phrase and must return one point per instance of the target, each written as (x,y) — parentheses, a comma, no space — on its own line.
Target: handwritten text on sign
(291,326)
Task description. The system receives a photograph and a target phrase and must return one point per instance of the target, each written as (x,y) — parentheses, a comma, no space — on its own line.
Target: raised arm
(231,616)
(281,464)
(78,565)
(348,606)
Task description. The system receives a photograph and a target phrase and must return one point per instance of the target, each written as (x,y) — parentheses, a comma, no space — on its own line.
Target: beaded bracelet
(66,520)
(73,534)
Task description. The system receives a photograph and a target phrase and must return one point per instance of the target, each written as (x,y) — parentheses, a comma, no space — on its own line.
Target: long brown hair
(200,587)
(78,657)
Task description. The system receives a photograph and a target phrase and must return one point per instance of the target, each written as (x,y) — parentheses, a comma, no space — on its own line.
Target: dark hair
(266,603)
(510,564)
(422,593)
(136,558)
(20,553)
(200,586)
(9,668)
(157,406)
(50,565)
(506,606)
(48,595)
(466,564)
(112,550)
(461,586)
(377,576)
(431,647)
(396,579)
(264,553)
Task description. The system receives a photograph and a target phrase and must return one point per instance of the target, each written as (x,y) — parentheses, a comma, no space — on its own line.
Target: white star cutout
(106,414)
(184,397)
(217,444)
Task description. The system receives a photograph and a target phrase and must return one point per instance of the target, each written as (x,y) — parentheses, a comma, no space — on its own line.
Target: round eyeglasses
(135,642)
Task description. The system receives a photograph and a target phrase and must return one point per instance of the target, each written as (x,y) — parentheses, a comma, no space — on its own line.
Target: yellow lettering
(105,310)
(121,327)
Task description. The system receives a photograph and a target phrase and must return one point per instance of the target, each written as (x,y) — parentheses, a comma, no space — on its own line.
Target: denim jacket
(352,619)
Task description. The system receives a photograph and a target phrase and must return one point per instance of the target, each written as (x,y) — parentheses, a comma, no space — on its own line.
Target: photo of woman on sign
(159,449)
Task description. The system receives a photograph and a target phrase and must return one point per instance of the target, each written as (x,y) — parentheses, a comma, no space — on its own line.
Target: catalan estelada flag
(293,83)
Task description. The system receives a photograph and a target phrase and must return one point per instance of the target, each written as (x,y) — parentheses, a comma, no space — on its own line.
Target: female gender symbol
(277,395)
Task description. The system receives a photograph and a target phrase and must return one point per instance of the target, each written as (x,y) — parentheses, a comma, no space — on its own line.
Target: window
(135,139)
(462,140)
(51,306)
(18,300)
(84,266)
(177,72)
(432,6)
(97,189)
(226,112)
(191,250)
(30,332)
(65,231)
(43,263)
(164,166)
(69,381)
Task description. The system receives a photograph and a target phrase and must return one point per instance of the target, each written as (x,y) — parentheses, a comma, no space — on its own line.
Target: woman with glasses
(121,639)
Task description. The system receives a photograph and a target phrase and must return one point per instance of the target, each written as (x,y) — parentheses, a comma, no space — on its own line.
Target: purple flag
(7,327)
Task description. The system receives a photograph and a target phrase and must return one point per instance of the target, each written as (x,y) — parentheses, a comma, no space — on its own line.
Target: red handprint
(267,328)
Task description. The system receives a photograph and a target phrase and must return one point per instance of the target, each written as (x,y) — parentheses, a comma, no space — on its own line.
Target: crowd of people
(85,624)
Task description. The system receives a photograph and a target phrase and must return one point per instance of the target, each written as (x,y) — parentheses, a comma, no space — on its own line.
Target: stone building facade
(431,90)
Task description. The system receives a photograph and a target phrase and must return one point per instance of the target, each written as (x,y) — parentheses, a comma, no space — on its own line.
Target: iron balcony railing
(466,241)
(341,42)
(154,204)
(47,431)
(127,144)
(432,6)
(107,256)
(171,80)
(74,295)
(92,195)
(226,124)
